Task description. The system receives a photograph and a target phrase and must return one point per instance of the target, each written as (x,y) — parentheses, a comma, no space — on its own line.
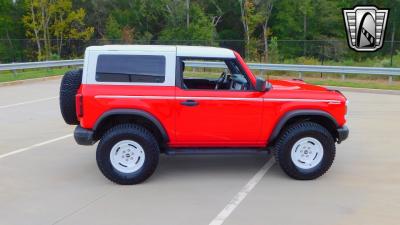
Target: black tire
(128,132)
(70,84)
(290,136)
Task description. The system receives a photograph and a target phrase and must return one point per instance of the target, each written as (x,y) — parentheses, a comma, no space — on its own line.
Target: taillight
(79,105)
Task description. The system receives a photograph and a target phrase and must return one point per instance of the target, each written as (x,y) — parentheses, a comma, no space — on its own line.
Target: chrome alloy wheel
(127,156)
(307,153)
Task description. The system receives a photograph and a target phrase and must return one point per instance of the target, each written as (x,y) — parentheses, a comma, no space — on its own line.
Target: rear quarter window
(130,68)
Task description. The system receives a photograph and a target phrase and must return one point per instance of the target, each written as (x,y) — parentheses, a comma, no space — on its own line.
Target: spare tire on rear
(70,84)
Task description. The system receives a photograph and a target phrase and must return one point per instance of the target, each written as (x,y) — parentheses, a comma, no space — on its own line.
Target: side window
(130,68)
(224,74)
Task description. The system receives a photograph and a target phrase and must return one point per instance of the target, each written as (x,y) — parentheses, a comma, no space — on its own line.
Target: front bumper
(343,133)
(83,136)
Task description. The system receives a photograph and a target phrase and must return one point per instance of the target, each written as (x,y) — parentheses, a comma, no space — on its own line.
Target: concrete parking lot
(46,178)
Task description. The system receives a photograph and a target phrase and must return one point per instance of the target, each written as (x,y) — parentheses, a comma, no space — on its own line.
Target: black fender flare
(291,114)
(133,112)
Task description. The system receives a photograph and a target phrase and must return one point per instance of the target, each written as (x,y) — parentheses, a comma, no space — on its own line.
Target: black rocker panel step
(214,151)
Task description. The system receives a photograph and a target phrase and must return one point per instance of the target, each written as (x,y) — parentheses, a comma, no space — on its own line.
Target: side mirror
(262,85)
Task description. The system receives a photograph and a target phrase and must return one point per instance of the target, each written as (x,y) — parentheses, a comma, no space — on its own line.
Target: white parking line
(238,198)
(27,102)
(35,146)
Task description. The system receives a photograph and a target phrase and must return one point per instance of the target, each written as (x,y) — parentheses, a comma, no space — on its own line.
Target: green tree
(113,28)
(36,23)
(265,7)
(307,9)
(146,18)
(5,23)
(46,20)
(68,24)
(274,50)
(243,25)
(250,19)
(10,29)
(200,31)
(97,12)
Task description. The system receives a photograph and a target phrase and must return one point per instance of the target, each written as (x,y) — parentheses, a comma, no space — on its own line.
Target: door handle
(189,103)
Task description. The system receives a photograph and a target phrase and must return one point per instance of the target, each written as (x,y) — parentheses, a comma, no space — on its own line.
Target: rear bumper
(83,136)
(343,133)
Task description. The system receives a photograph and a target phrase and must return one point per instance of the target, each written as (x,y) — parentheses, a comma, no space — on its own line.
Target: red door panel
(218,118)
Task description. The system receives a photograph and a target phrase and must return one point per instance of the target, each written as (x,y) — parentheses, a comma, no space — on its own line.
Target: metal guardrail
(390,72)
(43,64)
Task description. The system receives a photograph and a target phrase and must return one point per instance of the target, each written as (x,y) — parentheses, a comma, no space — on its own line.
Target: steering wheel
(220,80)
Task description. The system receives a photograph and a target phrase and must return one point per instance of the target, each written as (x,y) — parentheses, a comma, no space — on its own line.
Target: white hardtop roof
(183,51)
(201,51)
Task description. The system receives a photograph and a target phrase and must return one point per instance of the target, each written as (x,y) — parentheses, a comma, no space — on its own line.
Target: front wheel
(127,154)
(305,151)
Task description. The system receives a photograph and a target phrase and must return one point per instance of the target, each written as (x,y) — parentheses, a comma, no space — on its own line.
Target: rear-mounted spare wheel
(70,84)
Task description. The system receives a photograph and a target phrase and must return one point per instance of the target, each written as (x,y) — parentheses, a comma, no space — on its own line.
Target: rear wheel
(127,154)
(305,150)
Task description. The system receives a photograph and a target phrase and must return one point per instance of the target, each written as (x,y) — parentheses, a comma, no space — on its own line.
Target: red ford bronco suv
(140,101)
